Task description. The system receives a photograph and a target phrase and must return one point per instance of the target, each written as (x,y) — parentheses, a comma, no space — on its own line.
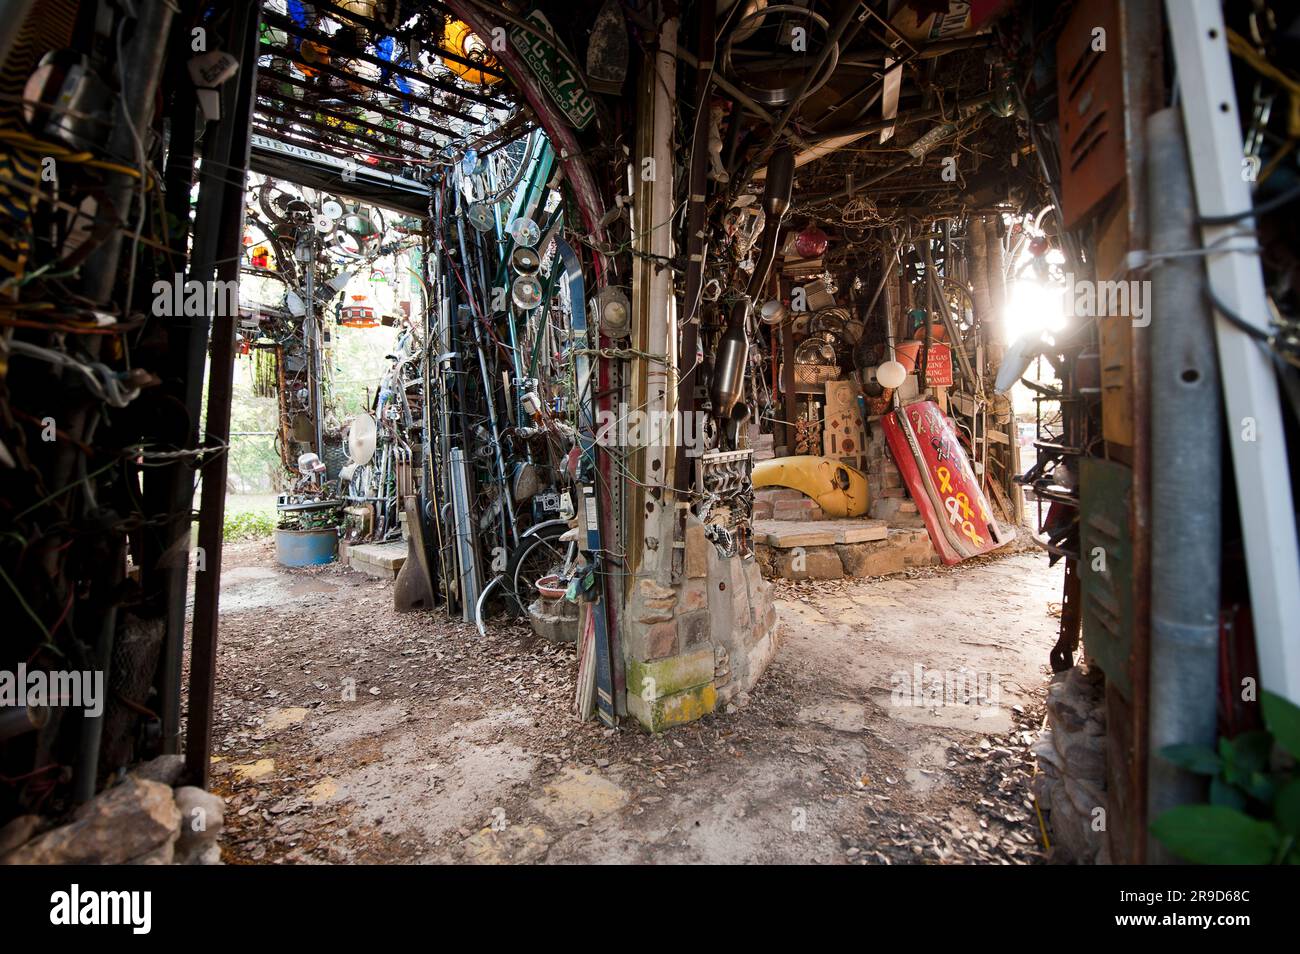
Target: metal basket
(811,378)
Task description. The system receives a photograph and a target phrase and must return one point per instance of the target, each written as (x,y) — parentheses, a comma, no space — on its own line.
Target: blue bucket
(306,547)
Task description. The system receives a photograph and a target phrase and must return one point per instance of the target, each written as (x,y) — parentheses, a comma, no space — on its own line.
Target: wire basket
(812,377)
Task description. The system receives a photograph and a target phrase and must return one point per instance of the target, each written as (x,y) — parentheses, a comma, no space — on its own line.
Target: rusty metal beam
(307,87)
(377,149)
(345,118)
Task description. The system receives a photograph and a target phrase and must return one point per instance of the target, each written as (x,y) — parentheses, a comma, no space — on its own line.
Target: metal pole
(1186,451)
(223,229)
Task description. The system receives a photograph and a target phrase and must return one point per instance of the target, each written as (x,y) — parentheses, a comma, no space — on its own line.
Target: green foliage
(249,525)
(1254,813)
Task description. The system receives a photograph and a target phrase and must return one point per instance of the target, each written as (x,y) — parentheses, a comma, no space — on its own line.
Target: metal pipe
(1187,453)
(224,227)
(338,100)
(141,71)
(360,140)
(173,484)
(831,46)
(688,358)
(334,112)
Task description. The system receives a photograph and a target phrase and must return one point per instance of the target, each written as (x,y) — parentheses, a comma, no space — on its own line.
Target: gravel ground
(346,732)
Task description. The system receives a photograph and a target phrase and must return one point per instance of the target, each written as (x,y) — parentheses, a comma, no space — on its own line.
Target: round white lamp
(891,374)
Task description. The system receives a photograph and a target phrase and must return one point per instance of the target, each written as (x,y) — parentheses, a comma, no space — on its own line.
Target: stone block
(660,639)
(166,769)
(740,616)
(693,596)
(380,560)
(202,818)
(655,679)
(556,621)
(128,822)
(868,559)
(652,602)
(775,495)
(758,658)
(693,628)
(817,563)
(676,709)
(782,535)
(819,533)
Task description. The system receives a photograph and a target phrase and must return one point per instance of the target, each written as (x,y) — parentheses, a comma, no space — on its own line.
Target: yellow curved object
(840,490)
(462,40)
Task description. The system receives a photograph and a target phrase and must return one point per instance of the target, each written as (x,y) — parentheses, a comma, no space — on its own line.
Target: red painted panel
(939,477)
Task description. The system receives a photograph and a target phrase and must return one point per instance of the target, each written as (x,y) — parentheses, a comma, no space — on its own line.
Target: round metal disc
(362,439)
(525,260)
(525,232)
(480,216)
(526,292)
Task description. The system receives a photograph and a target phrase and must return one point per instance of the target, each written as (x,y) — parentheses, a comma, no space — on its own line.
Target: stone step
(380,560)
(783,534)
(901,550)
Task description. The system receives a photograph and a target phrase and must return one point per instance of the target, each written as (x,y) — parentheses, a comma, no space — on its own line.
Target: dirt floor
(346,732)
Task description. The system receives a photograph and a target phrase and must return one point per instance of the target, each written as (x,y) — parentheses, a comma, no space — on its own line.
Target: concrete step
(900,550)
(380,560)
(783,534)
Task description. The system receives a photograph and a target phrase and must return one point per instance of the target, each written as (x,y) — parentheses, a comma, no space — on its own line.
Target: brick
(803,503)
(775,495)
